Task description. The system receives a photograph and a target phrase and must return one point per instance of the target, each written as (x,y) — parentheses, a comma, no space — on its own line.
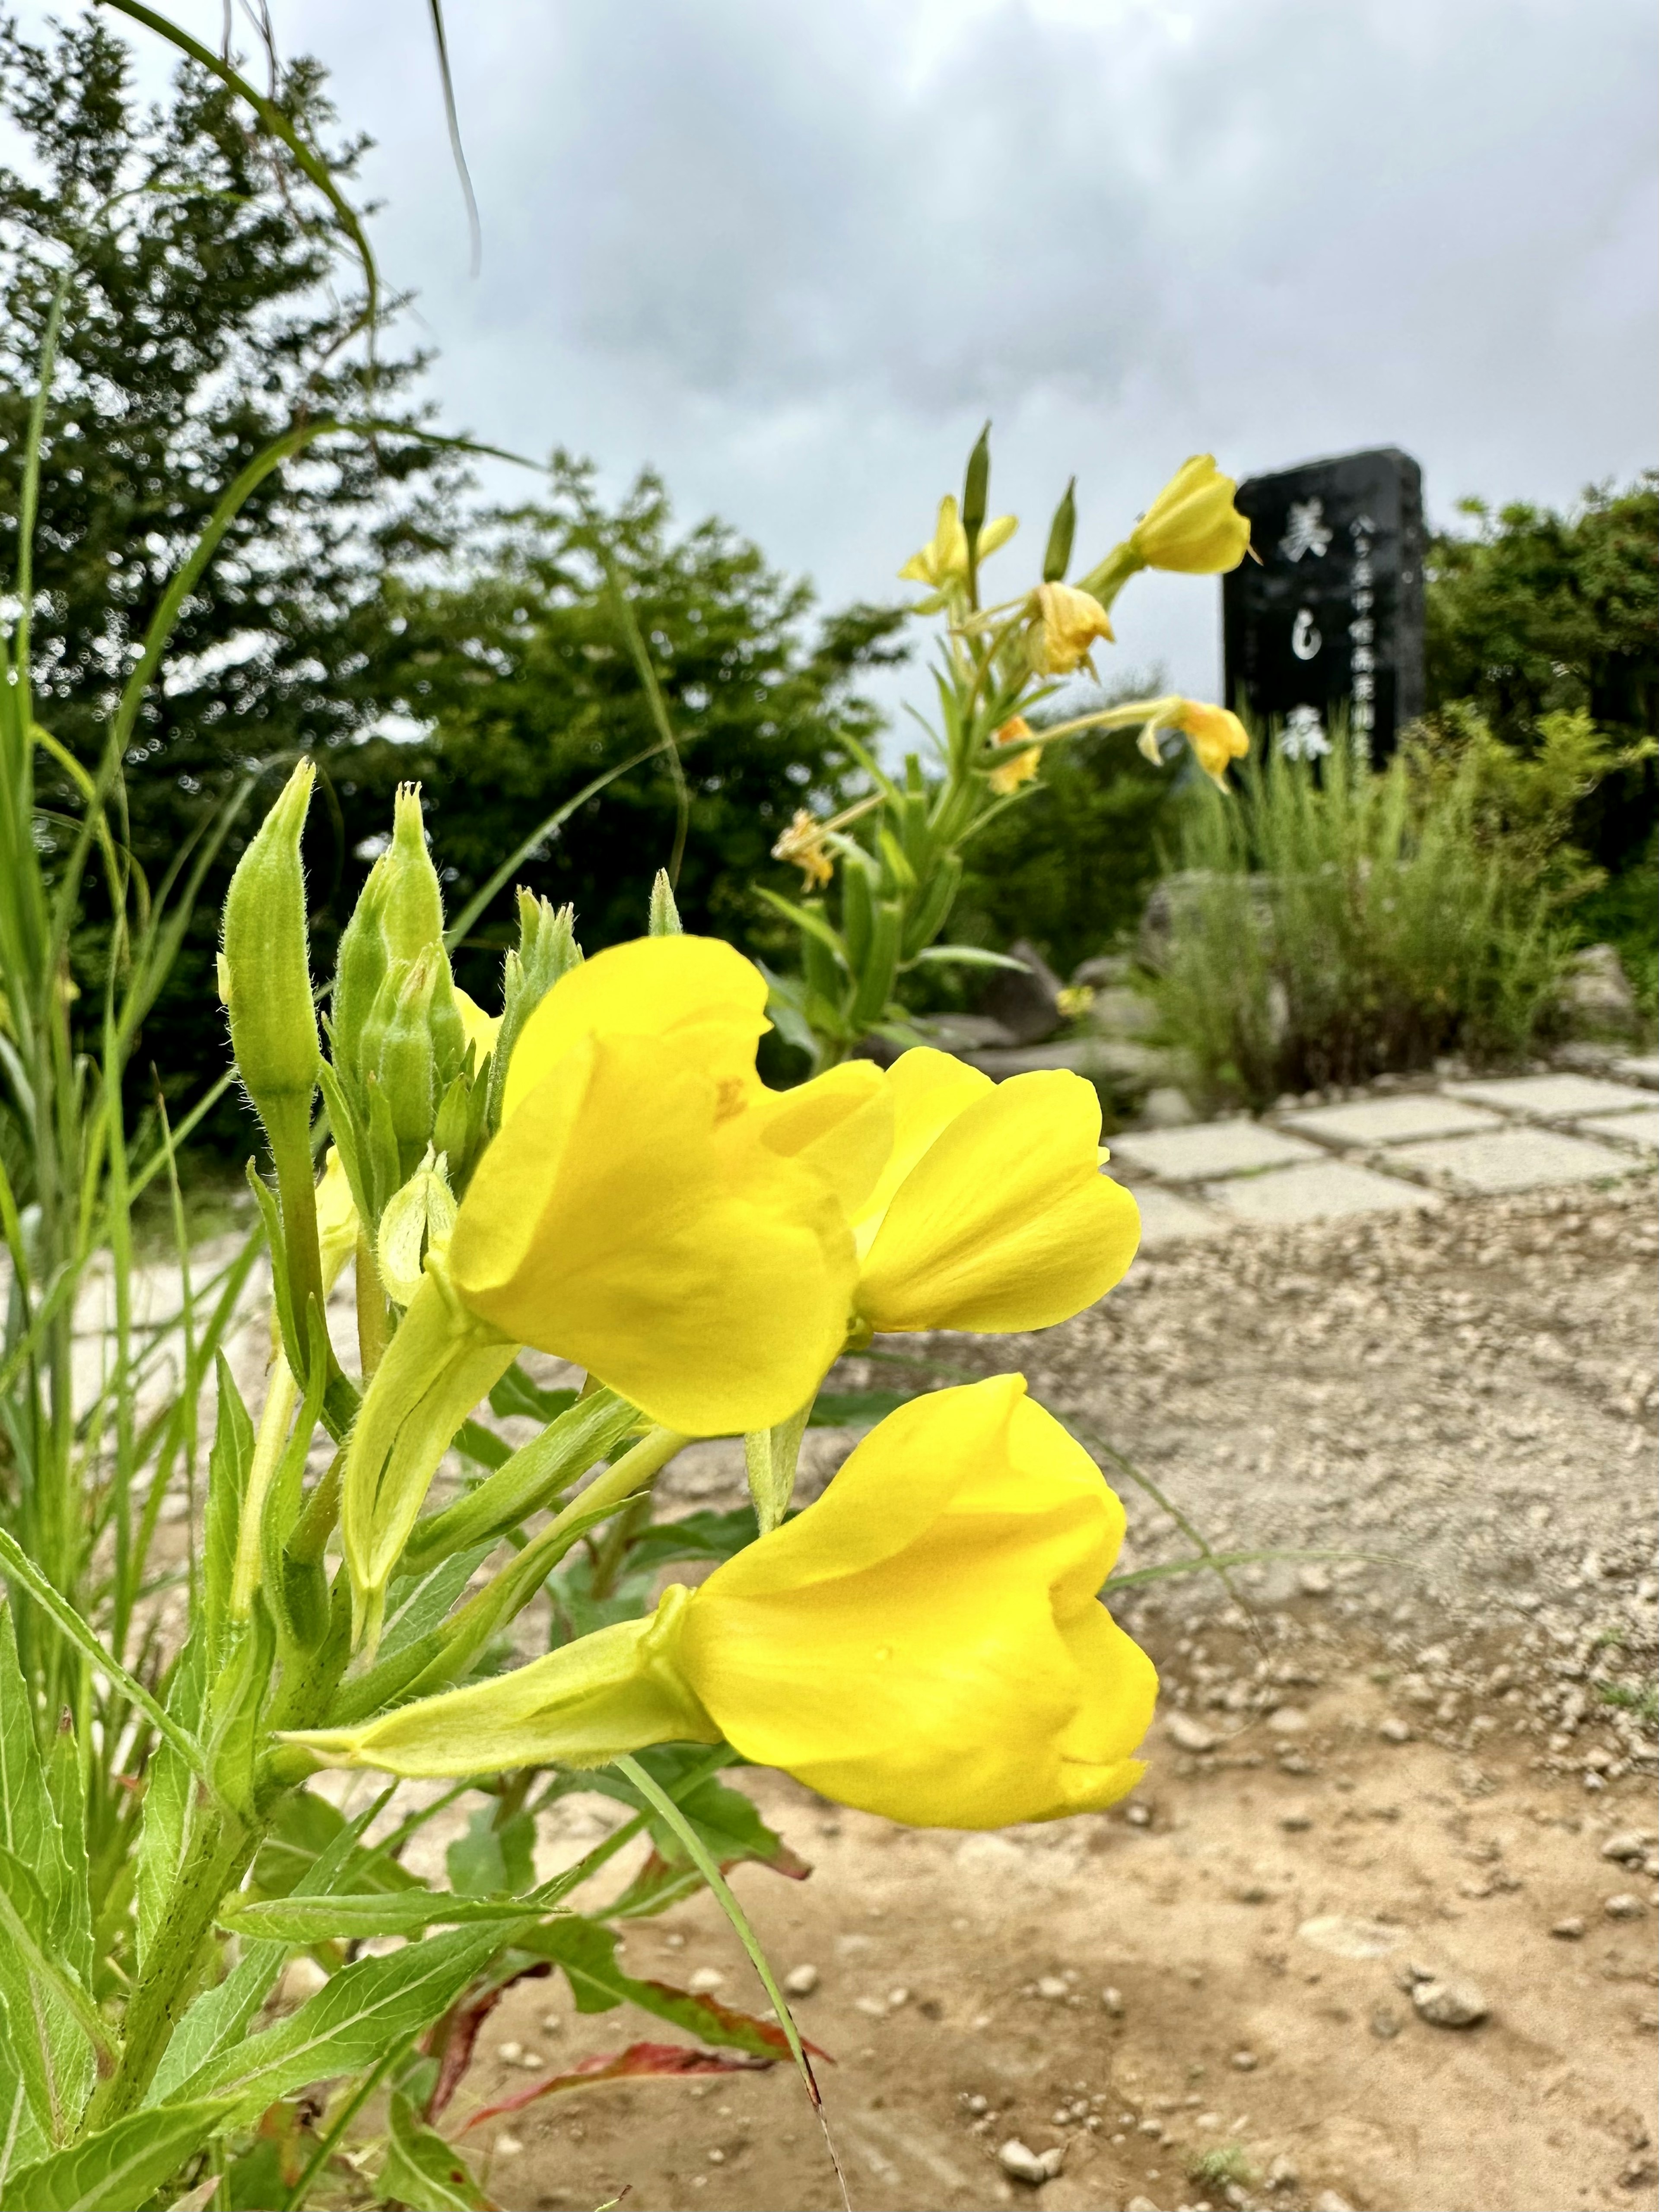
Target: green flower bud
(413,916)
(665,914)
(359,970)
(407,1065)
(976,487)
(264,969)
(1061,531)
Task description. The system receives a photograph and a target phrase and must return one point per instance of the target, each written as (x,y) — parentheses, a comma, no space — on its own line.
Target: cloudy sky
(793,256)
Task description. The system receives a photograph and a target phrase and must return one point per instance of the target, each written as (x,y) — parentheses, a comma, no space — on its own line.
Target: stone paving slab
(1552,1097)
(1643,1069)
(1392,1120)
(1515,1159)
(1210,1149)
(1167,1219)
(1329,1190)
(1641,1128)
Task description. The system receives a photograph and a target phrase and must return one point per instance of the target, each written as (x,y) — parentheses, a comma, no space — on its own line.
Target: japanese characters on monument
(1327,621)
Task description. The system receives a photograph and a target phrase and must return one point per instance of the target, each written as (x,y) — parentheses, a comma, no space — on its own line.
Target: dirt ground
(1412,1775)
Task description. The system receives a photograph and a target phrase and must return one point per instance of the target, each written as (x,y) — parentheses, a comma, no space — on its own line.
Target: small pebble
(302,1978)
(1393,1730)
(506,2146)
(1328,2201)
(1624,1907)
(1569,1931)
(706,1981)
(800,1981)
(1033,2167)
(1140,2204)
(978,2105)
(1634,1844)
(1289,1720)
(1450,2003)
(509,2053)
(1051,1986)
(897,1997)
(717,2158)
(1314,1580)
(1386,2023)
(1138,1816)
(551,2024)
(1282,2174)
(1111,2000)
(1189,1734)
(1245,2061)
(1295,1823)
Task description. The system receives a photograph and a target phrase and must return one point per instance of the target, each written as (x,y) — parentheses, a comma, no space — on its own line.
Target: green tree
(201,322)
(515,686)
(1538,613)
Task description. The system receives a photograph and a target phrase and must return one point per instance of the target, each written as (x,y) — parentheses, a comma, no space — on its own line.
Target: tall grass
(1333,926)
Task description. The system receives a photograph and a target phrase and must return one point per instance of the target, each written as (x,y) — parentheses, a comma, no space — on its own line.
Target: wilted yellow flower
(628,1216)
(926,1642)
(1216,735)
(802,845)
(1193,524)
(944,561)
(1062,625)
(1009,774)
(974,1204)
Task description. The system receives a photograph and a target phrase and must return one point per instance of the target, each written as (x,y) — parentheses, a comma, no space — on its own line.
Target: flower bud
(412,916)
(1063,623)
(264,972)
(665,914)
(407,1066)
(421,1219)
(976,487)
(1193,525)
(1058,557)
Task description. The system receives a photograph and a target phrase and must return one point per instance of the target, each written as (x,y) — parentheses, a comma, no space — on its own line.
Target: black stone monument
(1331,620)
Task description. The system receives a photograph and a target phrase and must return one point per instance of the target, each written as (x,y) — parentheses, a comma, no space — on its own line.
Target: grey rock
(1386,2023)
(800,1981)
(1452,2002)
(1107,971)
(1121,1066)
(1189,1734)
(1569,1931)
(1033,2167)
(1596,995)
(1631,1847)
(1328,2201)
(1624,1907)
(1165,1108)
(1393,1730)
(1026,1000)
(963,1032)
(1119,1012)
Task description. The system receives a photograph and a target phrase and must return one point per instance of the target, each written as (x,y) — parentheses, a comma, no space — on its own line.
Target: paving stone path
(1392,1150)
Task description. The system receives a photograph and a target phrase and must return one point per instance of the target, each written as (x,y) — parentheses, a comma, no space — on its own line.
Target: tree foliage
(1537,613)
(514,685)
(200,323)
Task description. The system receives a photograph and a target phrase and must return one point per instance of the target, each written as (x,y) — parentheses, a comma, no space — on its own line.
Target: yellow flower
(628,1216)
(974,1204)
(480,1029)
(1193,524)
(943,562)
(1009,774)
(1215,734)
(337,1219)
(1063,623)
(926,1642)
(802,844)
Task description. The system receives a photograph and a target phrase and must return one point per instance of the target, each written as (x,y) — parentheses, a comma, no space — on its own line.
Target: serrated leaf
(669,2059)
(47,2030)
(587,1955)
(301,1921)
(366,2006)
(490,1861)
(422,2171)
(117,2167)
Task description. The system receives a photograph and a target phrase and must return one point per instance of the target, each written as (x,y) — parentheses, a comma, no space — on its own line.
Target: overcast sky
(793,256)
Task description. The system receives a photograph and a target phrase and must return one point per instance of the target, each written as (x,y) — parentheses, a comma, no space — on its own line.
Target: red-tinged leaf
(638,2059)
(722,2021)
(452,2039)
(587,1954)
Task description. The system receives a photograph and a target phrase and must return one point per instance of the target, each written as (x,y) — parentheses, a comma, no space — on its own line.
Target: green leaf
(422,1601)
(725,1821)
(809,924)
(964,956)
(366,2006)
(702,1535)
(22,2138)
(482,1445)
(490,1861)
(847,1409)
(117,2167)
(424,2172)
(517,1394)
(227,1470)
(301,1921)
(71,1918)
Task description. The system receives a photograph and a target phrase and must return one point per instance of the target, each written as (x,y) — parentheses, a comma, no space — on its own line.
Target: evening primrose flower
(1215,734)
(1020,767)
(1062,623)
(941,563)
(926,1642)
(1193,524)
(628,1218)
(802,844)
(974,1204)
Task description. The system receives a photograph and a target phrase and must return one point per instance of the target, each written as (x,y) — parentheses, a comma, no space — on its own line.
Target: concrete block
(1641,1128)
(1395,1121)
(1515,1159)
(1329,1190)
(1209,1149)
(1167,1219)
(1551,1098)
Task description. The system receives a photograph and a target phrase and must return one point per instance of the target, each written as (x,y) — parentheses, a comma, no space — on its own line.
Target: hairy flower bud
(264,969)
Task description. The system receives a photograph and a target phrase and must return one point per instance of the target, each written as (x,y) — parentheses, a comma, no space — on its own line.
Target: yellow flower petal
(841,1124)
(1064,624)
(696,995)
(1217,737)
(630,1217)
(925,1641)
(1004,1222)
(928,1090)
(481,1030)
(1193,525)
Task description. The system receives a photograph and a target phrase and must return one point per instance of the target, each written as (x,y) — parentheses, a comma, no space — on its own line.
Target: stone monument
(1327,620)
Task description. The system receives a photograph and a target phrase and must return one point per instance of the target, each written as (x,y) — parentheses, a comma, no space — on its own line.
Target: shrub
(1330,929)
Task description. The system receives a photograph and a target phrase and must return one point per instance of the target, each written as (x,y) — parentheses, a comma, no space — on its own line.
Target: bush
(1328,930)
